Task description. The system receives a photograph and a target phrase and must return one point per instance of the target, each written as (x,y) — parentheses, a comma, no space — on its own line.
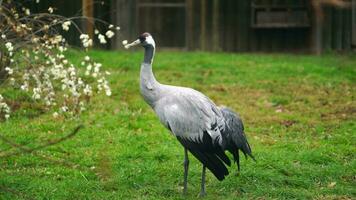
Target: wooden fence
(223,25)
(230,25)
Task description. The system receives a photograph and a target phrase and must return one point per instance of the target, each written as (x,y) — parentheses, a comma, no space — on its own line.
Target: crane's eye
(142,38)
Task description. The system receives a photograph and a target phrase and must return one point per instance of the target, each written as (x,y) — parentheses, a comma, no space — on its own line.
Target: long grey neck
(147,77)
(149,53)
(150,87)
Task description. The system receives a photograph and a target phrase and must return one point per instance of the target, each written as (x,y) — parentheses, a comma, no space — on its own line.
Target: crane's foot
(202,190)
(237,173)
(186,167)
(185,191)
(202,194)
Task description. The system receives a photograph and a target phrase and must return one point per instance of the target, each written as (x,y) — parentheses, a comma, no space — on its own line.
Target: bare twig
(58,161)
(14,192)
(24,149)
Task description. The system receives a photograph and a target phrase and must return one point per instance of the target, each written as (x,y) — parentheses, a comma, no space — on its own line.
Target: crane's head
(145,39)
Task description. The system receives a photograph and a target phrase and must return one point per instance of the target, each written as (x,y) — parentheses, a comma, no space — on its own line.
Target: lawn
(299,113)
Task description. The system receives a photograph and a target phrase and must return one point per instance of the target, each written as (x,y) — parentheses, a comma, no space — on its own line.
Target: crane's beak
(134,43)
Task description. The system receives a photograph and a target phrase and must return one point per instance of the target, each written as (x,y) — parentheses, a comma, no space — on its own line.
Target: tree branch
(24,149)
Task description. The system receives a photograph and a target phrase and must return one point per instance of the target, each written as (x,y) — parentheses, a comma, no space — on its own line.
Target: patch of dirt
(288,123)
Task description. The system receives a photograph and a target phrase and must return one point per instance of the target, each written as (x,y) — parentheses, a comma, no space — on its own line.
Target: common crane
(203,129)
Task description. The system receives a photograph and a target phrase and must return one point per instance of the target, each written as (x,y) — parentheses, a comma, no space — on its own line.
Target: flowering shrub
(32,59)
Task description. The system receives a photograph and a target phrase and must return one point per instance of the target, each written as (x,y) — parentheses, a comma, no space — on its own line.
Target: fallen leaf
(332,184)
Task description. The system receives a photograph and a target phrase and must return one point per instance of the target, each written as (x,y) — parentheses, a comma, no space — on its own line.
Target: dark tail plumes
(235,136)
(213,158)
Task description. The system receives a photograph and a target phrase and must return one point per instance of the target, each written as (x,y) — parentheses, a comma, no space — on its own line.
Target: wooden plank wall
(102,11)
(212,25)
(353,21)
(237,35)
(337,29)
(166,20)
(88,12)
(235,32)
(122,15)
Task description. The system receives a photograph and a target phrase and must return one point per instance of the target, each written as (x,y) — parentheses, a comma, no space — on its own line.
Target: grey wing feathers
(234,135)
(189,113)
(196,122)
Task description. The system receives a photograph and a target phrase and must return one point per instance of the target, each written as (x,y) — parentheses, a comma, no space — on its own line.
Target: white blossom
(24,87)
(64,108)
(12,81)
(27,11)
(4,108)
(109,34)
(9,70)
(55,114)
(97,67)
(102,39)
(89,67)
(82,106)
(36,93)
(86,41)
(60,56)
(62,49)
(66,25)
(87,90)
(9,46)
(108,91)
(84,36)
(42,70)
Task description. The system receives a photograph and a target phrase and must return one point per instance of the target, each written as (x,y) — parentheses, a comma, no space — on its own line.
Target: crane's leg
(202,190)
(238,161)
(186,165)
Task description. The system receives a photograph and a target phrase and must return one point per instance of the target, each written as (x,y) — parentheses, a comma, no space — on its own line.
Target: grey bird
(204,129)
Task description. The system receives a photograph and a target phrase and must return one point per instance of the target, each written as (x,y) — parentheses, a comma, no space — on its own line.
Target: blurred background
(311,26)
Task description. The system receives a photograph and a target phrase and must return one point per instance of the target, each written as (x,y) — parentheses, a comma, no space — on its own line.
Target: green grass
(299,113)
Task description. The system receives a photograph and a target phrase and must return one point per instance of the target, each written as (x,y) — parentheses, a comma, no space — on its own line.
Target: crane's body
(201,127)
